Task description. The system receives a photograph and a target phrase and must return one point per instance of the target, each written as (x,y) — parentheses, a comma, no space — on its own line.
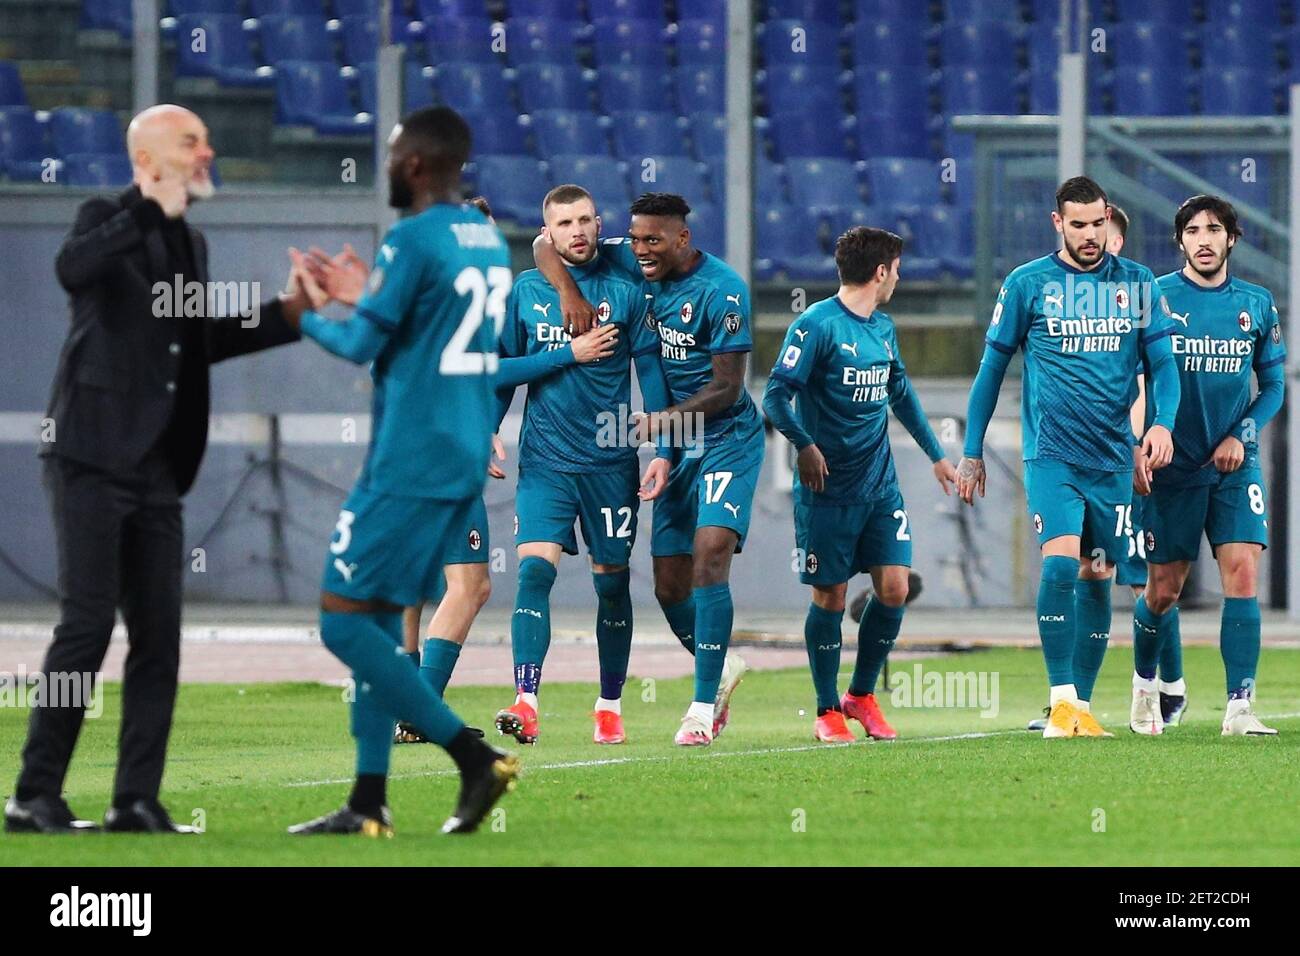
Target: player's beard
(400,195)
(199,189)
(1077,256)
(1219,263)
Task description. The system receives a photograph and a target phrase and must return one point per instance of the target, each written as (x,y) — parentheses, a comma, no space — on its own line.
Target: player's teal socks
(1171,648)
(1056,617)
(1091,632)
(714,613)
(1239,643)
(877,632)
(1149,629)
(372,726)
(437,663)
(370,644)
(530,625)
(822,634)
(681,618)
(613,630)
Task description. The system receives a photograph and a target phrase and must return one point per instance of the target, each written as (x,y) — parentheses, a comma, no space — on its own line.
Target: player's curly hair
(863,249)
(661,204)
(1216,206)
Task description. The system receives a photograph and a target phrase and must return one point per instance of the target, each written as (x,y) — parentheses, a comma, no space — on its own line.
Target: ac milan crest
(475,539)
(603,311)
(1243,321)
(687,312)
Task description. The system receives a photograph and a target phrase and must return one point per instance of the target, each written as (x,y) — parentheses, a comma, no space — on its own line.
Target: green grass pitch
(253,759)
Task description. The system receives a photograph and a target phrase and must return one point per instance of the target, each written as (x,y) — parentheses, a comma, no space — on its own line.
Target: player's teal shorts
(391,548)
(714,490)
(604,503)
(1132,570)
(1070,499)
(469,544)
(838,541)
(1233,509)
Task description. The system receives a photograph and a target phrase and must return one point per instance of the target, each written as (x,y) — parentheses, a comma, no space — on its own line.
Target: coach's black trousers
(119,546)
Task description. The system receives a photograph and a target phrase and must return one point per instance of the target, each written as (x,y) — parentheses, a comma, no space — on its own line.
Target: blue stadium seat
(1159,46)
(991,89)
(1264,13)
(707,223)
(701,42)
(946,235)
(545,9)
(1237,92)
(821,184)
(228,54)
(184,8)
(803,134)
(360,39)
(107,15)
(966,11)
(671,174)
(11,85)
(883,133)
(978,43)
(315,94)
(639,133)
(568,131)
(1049,11)
(22,144)
(701,88)
(796,42)
(417,86)
(451,9)
(1044,90)
(542,41)
(1178,12)
(298,8)
(623,86)
(550,86)
(787,242)
(459,41)
(769,181)
(472,86)
(75,129)
(858,214)
(1043,45)
(814,89)
(628,10)
(630,43)
(1236,44)
(602,176)
(500,133)
(358,8)
(894,89)
(820,11)
(709,135)
(96,170)
(701,10)
(1142,91)
(295,38)
(514,185)
(898,183)
(880,43)
(1227,174)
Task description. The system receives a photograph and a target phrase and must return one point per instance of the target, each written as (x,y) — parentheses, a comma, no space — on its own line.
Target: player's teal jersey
(439,288)
(846,369)
(1220,336)
(572,416)
(1083,335)
(696,316)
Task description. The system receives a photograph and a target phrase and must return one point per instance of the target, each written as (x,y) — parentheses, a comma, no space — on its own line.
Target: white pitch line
(715,755)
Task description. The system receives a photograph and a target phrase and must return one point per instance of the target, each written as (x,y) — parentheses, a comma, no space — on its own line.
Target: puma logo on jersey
(735,511)
(850,348)
(1058,299)
(802,333)
(344,569)
(1180,318)
(544,309)
(735,299)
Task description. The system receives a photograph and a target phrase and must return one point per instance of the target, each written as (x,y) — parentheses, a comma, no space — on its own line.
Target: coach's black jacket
(129,381)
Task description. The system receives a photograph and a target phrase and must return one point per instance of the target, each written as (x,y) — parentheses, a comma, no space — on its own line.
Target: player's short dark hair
(1119,219)
(440,136)
(1216,206)
(481,204)
(862,249)
(567,193)
(1080,189)
(661,204)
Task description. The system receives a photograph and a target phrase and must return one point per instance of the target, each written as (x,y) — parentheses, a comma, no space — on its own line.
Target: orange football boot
(830,728)
(519,720)
(609,727)
(866,711)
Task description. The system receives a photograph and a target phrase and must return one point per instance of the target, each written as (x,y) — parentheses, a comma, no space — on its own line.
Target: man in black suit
(130,411)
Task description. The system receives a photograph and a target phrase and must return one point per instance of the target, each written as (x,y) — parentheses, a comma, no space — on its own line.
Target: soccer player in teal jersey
(701,317)
(577,452)
(427,325)
(841,366)
(1084,319)
(1226,330)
